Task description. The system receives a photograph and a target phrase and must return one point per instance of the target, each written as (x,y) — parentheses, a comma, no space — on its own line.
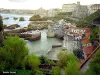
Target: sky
(36,4)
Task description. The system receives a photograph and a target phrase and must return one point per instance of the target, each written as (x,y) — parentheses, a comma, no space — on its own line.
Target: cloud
(18,0)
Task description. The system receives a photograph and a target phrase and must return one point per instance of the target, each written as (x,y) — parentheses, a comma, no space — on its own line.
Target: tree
(13,52)
(55,71)
(86,22)
(1,31)
(62,15)
(45,60)
(78,53)
(2,63)
(94,33)
(65,13)
(81,23)
(38,73)
(0,17)
(32,61)
(1,24)
(94,67)
(62,58)
(72,68)
(93,16)
(69,63)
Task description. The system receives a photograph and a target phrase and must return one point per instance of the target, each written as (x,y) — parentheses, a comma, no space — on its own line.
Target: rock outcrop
(13,26)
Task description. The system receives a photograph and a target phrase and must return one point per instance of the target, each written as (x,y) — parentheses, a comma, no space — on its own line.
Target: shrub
(13,51)
(1,24)
(1,31)
(94,67)
(21,19)
(35,18)
(45,60)
(38,72)
(32,62)
(55,71)
(62,58)
(78,53)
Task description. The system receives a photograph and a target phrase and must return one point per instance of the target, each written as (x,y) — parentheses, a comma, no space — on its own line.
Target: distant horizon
(45,4)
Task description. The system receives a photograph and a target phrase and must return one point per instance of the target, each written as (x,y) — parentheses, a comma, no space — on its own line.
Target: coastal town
(51,42)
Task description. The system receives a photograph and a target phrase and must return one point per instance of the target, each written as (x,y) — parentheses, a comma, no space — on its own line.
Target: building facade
(93,8)
(80,11)
(78,38)
(42,12)
(53,12)
(68,7)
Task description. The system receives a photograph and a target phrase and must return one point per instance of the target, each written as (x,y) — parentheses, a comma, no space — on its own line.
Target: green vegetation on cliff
(87,21)
(94,67)
(62,15)
(35,18)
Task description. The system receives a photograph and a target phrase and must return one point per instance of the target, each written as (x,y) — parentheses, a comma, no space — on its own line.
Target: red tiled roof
(88,50)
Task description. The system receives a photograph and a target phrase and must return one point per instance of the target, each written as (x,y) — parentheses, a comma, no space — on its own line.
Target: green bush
(1,24)
(45,60)
(62,58)
(68,63)
(94,67)
(13,52)
(94,33)
(35,18)
(1,31)
(56,71)
(38,72)
(72,68)
(32,62)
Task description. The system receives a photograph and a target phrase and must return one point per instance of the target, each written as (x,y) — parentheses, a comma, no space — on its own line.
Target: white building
(42,12)
(68,7)
(80,11)
(53,12)
(72,37)
(93,8)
